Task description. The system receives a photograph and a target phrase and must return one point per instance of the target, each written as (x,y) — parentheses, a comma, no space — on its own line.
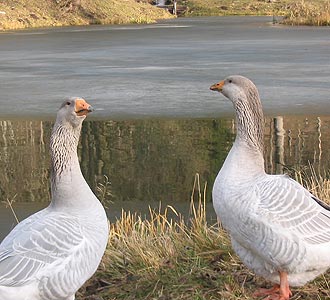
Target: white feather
(50,255)
(275,224)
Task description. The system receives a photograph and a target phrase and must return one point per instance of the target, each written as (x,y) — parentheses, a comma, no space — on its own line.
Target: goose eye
(230,81)
(68,103)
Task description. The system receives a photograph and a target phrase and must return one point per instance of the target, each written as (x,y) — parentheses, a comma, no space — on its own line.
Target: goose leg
(277,292)
(285,291)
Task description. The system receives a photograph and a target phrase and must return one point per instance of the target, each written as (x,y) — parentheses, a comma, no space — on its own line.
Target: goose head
(65,135)
(73,111)
(249,115)
(238,89)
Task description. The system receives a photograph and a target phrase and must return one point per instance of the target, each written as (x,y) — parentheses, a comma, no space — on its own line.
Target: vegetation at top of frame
(171,257)
(35,13)
(299,12)
(308,13)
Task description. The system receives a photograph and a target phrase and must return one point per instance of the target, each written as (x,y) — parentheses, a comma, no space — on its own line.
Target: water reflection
(150,160)
(147,160)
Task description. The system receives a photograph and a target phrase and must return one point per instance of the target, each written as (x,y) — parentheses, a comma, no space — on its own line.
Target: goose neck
(63,146)
(68,186)
(250,126)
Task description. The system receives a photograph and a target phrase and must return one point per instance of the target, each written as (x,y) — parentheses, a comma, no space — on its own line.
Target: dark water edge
(145,162)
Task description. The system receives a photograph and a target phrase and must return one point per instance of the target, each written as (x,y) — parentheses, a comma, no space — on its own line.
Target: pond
(156,123)
(165,69)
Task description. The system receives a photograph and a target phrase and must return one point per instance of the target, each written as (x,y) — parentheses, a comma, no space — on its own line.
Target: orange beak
(82,108)
(217,86)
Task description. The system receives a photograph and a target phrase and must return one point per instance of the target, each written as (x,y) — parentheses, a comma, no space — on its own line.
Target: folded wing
(38,242)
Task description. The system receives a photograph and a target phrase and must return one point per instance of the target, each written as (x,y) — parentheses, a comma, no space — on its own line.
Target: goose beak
(217,86)
(82,108)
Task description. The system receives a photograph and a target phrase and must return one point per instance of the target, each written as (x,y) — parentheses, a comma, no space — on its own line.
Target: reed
(103,192)
(168,256)
(316,181)
(9,204)
(165,255)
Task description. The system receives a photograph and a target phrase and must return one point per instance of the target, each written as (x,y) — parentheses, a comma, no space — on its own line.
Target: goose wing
(290,207)
(280,221)
(37,242)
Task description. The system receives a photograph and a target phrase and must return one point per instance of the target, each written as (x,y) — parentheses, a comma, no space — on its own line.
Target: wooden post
(174,7)
(279,144)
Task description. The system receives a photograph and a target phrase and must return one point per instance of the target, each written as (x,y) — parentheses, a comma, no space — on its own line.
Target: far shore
(38,14)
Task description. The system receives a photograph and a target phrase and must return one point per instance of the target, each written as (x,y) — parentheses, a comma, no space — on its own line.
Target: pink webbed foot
(278,292)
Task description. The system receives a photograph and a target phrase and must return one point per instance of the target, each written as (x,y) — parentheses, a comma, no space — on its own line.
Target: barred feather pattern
(275,224)
(57,250)
(63,146)
(74,271)
(49,255)
(249,111)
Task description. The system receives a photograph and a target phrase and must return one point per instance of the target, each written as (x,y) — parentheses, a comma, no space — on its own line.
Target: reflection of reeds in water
(293,142)
(150,160)
(24,160)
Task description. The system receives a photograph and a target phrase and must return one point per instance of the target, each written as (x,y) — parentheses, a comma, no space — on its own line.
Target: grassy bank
(228,7)
(34,13)
(308,13)
(300,12)
(169,257)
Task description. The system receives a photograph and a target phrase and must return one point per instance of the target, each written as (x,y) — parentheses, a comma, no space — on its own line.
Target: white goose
(277,227)
(50,255)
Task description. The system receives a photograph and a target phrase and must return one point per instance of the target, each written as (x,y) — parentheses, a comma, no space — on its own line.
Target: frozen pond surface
(165,69)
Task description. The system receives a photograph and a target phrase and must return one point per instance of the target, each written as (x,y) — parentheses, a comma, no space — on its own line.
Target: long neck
(68,185)
(63,147)
(247,153)
(250,123)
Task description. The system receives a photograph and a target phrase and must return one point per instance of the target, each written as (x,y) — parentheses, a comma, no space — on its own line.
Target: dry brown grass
(169,256)
(316,181)
(34,13)
(228,7)
(316,13)
(300,12)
